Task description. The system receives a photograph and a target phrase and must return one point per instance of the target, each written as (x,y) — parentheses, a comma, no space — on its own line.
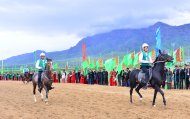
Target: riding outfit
(26,71)
(145,61)
(41,66)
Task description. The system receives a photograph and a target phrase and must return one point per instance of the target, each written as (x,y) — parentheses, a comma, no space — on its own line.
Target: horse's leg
(23,80)
(27,81)
(40,90)
(155,94)
(162,93)
(131,93)
(46,99)
(42,96)
(34,92)
(137,90)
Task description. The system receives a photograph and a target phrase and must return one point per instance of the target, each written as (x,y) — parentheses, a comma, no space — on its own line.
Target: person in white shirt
(145,61)
(64,77)
(41,66)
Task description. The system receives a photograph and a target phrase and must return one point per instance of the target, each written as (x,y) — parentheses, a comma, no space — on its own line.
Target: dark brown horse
(26,78)
(45,79)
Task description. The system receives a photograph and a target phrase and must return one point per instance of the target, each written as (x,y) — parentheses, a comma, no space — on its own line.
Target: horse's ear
(160,52)
(48,59)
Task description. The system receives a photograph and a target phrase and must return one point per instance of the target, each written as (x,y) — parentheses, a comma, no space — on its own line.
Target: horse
(26,78)
(46,81)
(156,78)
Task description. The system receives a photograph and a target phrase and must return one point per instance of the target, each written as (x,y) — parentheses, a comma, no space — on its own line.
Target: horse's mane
(157,58)
(48,71)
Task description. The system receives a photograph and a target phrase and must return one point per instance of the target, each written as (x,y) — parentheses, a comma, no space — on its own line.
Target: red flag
(67,67)
(178,55)
(153,55)
(123,66)
(84,51)
(101,62)
(117,60)
(138,57)
(133,55)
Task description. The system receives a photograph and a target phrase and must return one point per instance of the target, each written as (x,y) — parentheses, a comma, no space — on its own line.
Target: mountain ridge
(115,42)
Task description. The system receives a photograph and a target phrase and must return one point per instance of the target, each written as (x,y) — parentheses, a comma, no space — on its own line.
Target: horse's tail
(133,77)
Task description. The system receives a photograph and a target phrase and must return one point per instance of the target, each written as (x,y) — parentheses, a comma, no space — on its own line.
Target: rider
(41,66)
(26,71)
(145,60)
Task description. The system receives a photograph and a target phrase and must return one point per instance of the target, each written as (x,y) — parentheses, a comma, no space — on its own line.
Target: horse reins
(158,62)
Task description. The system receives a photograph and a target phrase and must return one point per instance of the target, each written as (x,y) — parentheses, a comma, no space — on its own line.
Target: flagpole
(2,67)
(34,60)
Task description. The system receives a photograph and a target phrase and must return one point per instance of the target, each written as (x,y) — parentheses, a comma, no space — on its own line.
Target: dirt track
(75,101)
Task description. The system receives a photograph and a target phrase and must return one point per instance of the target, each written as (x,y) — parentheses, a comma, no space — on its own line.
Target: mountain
(119,41)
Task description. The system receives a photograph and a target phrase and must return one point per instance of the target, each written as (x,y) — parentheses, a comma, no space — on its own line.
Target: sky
(55,25)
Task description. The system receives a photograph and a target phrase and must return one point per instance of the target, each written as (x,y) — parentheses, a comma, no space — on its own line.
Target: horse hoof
(141,99)
(154,105)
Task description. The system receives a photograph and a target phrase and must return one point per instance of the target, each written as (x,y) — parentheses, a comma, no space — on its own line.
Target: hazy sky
(51,25)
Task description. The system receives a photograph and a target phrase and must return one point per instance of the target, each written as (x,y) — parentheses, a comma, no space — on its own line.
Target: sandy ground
(75,101)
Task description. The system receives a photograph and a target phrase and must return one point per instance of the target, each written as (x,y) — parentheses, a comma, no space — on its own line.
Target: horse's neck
(159,66)
(48,73)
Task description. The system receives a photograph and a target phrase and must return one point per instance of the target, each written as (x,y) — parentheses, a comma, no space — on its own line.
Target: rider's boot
(39,86)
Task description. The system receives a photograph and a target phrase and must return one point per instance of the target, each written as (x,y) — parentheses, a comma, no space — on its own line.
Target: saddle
(141,75)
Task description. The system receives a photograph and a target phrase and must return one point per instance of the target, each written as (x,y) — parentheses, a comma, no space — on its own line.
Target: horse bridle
(160,61)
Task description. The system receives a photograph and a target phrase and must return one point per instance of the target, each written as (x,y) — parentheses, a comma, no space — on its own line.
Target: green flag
(55,66)
(92,65)
(85,65)
(110,64)
(76,69)
(21,69)
(174,56)
(119,67)
(182,54)
(97,65)
(169,64)
(136,59)
(127,60)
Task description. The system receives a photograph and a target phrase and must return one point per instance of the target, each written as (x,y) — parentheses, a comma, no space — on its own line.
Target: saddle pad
(141,76)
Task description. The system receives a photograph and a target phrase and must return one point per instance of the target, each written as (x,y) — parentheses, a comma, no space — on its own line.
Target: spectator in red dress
(73,78)
(69,77)
(112,78)
(82,78)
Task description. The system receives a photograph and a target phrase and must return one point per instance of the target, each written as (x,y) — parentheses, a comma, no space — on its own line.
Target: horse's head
(163,57)
(49,64)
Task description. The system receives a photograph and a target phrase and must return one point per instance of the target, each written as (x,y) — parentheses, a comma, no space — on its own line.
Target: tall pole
(188,54)
(34,60)
(2,67)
